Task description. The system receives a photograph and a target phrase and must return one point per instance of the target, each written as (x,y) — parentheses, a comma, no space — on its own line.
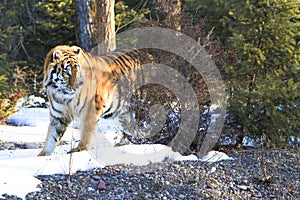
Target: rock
(101,186)
(30,146)
(96,177)
(243,187)
(215,193)
(212,170)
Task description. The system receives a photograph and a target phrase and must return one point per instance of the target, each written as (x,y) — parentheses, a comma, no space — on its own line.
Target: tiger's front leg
(88,129)
(56,130)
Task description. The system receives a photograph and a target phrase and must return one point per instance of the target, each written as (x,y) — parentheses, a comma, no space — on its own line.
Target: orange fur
(85,86)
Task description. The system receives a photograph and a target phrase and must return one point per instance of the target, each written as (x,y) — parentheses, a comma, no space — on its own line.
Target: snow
(18,168)
(215,156)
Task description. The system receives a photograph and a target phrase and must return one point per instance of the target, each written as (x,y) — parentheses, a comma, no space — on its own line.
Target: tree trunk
(96,25)
(84,20)
(106,26)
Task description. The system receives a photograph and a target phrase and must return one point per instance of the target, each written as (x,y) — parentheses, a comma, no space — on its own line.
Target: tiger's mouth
(61,84)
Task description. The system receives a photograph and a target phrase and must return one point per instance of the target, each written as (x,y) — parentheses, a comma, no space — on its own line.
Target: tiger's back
(85,86)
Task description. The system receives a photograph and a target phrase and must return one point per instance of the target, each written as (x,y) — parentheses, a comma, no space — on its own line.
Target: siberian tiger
(84,86)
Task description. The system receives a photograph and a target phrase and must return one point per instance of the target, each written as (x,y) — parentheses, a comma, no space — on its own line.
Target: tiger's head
(62,69)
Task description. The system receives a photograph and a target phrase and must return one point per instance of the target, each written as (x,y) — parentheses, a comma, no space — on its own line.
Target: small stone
(30,146)
(243,187)
(245,181)
(215,193)
(211,185)
(96,177)
(181,196)
(90,189)
(231,185)
(101,186)
(212,170)
(59,187)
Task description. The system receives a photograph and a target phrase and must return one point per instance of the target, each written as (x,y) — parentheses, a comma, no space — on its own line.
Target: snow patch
(215,156)
(18,168)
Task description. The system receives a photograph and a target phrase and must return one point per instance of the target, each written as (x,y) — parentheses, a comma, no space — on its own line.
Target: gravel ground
(253,174)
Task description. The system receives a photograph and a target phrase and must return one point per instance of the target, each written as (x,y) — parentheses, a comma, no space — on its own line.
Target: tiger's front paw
(77,149)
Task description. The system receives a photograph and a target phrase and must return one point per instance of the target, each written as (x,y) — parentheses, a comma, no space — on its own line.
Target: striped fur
(84,86)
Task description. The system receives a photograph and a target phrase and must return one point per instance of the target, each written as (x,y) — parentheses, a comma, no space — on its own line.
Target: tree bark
(106,26)
(96,25)
(84,26)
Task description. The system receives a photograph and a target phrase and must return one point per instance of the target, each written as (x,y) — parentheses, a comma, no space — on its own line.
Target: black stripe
(61,120)
(69,100)
(108,110)
(113,56)
(55,109)
(116,111)
(57,100)
(78,102)
(64,100)
(107,59)
(65,91)
(109,115)
(125,60)
(55,138)
(120,64)
(83,105)
(50,79)
(135,54)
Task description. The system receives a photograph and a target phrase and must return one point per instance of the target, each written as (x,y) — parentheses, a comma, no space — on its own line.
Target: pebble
(231,180)
(215,193)
(243,187)
(30,146)
(101,186)
(96,177)
(212,170)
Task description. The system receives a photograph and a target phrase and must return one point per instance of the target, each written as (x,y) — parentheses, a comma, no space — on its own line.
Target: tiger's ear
(77,51)
(56,54)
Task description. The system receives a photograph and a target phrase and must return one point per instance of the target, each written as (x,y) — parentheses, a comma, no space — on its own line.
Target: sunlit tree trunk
(96,25)
(106,26)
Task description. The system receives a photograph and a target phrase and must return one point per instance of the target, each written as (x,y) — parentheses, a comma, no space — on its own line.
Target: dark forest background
(255,44)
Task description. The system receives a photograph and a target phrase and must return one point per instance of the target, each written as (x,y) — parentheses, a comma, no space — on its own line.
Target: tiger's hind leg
(56,130)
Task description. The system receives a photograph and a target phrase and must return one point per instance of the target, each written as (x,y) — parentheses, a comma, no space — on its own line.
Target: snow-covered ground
(18,168)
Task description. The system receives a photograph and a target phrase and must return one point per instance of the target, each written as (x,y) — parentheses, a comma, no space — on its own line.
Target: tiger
(81,85)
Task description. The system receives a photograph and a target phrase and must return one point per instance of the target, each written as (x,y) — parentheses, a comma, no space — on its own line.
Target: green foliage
(28,30)
(54,24)
(266,96)
(262,67)
(130,13)
(262,39)
(264,74)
